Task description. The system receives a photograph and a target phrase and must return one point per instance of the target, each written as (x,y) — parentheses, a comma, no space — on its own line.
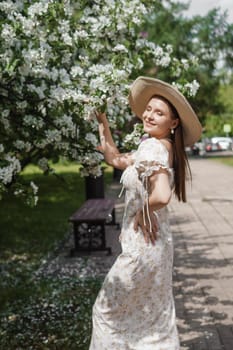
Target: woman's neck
(169,139)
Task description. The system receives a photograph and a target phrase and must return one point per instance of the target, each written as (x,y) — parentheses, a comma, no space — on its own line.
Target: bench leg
(113,220)
(89,237)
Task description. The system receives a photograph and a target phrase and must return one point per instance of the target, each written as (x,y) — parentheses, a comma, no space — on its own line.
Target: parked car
(218,143)
(224,143)
(195,149)
(198,149)
(211,147)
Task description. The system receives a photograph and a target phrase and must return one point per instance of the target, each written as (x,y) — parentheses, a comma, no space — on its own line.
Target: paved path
(203,266)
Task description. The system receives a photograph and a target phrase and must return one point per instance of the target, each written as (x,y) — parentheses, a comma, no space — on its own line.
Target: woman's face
(157,118)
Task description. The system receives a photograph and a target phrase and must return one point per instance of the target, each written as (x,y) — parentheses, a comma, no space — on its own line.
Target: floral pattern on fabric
(134,309)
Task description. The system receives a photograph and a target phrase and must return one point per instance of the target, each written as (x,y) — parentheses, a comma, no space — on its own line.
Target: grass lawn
(224,160)
(42,313)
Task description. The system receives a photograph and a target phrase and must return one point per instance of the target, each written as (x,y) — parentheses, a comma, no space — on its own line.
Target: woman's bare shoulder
(167,143)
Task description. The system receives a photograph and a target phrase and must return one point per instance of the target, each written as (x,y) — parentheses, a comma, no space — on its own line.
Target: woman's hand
(149,236)
(101,117)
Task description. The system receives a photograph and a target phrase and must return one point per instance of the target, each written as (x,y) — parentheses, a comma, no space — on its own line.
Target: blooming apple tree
(59,62)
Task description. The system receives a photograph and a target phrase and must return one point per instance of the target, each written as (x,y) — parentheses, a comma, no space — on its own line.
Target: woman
(135,308)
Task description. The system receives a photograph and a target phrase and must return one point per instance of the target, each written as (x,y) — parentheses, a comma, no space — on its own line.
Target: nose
(147,115)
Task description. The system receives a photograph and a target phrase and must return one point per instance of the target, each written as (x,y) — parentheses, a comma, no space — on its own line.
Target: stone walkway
(203,265)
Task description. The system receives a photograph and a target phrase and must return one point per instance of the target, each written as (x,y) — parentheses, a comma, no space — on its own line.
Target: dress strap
(146,193)
(121,192)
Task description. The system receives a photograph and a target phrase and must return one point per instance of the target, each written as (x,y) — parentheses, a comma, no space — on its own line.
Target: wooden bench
(89,225)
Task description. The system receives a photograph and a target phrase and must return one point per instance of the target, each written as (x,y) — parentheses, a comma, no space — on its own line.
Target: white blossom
(67,126)
(8,7)
(7,172)
(22,104)
(18,192)
(22,145)
(43,163)
(5,113)
(38,9)
(53,136)
(165,61)
(92,139)
(80,34)
(34,187)
(34,122)
(120,48)
(177,86)
(185,63)
(76,71)
(192,87)
(64,76)
(4,119)
(28,24)
(8,33)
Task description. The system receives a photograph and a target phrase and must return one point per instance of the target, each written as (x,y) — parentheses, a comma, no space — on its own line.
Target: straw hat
(143,88)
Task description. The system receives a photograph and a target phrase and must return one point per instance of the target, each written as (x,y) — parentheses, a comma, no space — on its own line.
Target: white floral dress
(134,309)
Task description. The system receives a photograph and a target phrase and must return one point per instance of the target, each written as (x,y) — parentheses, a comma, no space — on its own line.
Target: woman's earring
(172,131)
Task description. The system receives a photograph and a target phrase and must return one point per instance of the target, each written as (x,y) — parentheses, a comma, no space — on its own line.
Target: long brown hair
(181,166)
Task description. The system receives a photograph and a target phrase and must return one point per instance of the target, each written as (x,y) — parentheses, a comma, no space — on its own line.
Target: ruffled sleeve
(151,156)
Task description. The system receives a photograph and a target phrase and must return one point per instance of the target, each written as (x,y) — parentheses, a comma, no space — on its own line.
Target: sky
(201,7)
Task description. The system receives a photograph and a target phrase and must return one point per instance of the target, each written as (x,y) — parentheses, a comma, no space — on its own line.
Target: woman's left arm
(111,153)
(159,190)
(159,196)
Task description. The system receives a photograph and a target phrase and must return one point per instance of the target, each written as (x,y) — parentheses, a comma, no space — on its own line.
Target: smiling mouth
(149,124)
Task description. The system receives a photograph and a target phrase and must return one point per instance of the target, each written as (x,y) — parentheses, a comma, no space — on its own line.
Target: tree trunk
(117,174)
(94,186)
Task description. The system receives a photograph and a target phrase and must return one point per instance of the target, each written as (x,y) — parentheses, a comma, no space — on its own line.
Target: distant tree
(209,38)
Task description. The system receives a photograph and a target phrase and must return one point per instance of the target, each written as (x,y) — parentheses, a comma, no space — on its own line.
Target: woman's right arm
(111,153)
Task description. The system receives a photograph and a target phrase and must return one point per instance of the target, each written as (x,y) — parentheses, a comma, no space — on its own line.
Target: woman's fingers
(153,236)
(146,237)
(154,221)
(149,235)
(136,221)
